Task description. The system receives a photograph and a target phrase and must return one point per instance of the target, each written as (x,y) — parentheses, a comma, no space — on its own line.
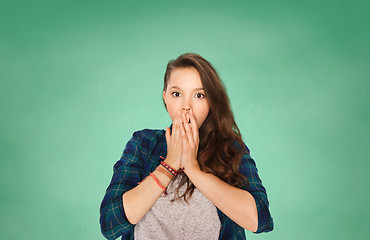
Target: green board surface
(77,78)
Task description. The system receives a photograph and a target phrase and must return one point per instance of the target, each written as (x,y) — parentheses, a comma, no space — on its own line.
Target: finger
(189,123)
(180,119)
(187,130)
(168,133)
(183,134)
(194,126)
(179,122)
(180,127)
(182,130)
(179,137)
(168,137)
(188,119)
(176,123)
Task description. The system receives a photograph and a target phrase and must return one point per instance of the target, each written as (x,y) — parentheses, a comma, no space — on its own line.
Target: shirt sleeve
(126,175)
(255,187)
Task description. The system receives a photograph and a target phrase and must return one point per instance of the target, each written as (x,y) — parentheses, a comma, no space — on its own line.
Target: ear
(164,97)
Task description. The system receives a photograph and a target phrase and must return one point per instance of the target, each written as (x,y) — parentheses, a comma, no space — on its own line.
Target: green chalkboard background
(79,77)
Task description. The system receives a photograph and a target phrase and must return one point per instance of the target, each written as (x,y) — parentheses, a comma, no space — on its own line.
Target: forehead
(185,78)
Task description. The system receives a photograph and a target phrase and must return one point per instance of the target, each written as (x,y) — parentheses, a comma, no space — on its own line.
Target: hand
(174,143)
(190,141)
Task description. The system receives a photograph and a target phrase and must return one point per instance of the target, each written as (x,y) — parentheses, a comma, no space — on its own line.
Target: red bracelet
(143,180)
(159,184)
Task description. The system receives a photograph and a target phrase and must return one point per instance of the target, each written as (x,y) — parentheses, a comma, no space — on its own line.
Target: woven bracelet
(169,168)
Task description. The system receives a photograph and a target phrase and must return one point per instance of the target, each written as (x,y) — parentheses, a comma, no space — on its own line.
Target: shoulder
(148,134)
(243,148)
(246,161)
(148,138)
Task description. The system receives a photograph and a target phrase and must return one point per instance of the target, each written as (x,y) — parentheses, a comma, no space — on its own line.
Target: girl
(194,180)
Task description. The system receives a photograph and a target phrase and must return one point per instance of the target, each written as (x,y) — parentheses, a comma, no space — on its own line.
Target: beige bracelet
(161,169)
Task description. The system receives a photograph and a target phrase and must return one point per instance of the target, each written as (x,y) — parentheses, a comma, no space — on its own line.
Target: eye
(200,94)
(174,92)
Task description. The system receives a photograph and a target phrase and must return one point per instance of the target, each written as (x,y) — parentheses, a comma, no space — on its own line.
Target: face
(185,92)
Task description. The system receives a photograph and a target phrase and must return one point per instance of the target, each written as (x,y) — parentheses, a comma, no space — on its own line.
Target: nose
(186,105)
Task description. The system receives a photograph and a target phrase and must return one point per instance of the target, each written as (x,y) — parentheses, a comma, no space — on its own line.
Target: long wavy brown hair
(217,153)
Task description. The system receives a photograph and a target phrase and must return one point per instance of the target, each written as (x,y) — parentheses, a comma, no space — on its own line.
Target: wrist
(162,177)
(172,164)
(192,168)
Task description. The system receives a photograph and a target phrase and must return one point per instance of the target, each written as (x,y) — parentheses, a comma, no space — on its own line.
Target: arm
(138,201)
(125,202)
(126,175)
(237,204)
(248,168)
(248,206)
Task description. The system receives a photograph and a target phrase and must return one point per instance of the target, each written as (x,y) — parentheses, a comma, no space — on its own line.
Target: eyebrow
(180,88)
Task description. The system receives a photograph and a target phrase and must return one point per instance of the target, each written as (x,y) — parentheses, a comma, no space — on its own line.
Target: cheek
(200,115)
(172,111)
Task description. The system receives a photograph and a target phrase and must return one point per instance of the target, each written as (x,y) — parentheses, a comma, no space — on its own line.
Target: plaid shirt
(140,157)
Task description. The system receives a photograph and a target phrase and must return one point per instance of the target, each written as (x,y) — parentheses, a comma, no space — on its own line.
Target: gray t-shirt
(177,219)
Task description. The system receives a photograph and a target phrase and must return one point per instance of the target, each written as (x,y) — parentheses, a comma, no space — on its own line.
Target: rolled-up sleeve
(126,175)
(258,191)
